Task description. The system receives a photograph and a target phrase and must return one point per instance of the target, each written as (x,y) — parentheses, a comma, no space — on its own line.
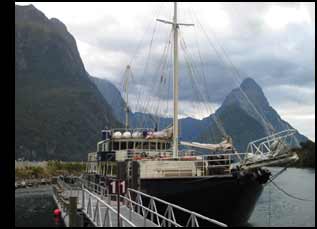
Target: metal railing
(201,165)
(93,210)
(272,144)
(131,129)
(64,203)
(168,219)
(92,202)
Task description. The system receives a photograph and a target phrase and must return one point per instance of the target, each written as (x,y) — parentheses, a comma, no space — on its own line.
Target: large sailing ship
(222,184)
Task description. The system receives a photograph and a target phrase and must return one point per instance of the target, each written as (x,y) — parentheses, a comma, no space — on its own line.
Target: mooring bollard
(72,211)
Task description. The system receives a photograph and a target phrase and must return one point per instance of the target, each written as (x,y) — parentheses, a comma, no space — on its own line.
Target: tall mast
(175,26)
(175,83)
(126,99)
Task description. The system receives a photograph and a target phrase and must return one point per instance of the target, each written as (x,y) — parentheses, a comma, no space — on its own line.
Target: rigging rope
(163,66)
(192,78)
(156,12)
(147,106)
(148,57)
(235,72)
(133,57)
(218,122)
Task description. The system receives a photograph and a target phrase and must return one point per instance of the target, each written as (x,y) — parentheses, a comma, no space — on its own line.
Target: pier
(82,200)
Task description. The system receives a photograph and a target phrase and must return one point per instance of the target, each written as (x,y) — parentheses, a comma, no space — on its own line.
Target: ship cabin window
(153,145)
(145,145)
(130,145)
(115,145)
(123,145)
(138,145)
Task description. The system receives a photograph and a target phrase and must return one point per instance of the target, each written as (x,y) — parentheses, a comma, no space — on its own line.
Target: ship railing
(137,153)
(273,144)
(131,130)
(219,161)
(200,165)
(170,173)
(135,201)
(225,162)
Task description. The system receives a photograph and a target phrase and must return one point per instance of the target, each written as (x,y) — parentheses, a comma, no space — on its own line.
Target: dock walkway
(102,211)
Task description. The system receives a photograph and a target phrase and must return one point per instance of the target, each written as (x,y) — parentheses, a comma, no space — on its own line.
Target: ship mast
(126,99)
(175,26)
(175,83)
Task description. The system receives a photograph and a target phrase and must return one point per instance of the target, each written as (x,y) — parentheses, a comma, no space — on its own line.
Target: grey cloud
(270,57)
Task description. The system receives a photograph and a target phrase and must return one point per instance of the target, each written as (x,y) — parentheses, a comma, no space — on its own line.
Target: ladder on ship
(137,209)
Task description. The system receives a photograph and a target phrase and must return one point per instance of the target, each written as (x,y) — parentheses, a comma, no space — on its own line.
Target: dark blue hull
(228,199)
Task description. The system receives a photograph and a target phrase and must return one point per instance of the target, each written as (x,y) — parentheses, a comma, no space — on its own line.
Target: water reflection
(34,208)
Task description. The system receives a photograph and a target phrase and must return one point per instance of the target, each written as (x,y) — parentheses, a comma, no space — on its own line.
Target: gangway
(137,209)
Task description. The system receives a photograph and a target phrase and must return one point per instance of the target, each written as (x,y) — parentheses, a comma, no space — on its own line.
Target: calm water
(284,210)
(34,206)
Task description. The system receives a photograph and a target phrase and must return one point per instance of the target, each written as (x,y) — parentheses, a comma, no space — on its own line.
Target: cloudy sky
(274,43)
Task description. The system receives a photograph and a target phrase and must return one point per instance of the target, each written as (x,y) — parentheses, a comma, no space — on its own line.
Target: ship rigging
(149,159)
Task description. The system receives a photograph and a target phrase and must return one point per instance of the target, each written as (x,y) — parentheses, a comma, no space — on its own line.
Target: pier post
(72,211)
(83,197)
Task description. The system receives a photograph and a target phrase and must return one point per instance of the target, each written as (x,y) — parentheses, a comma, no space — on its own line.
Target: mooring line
(286,193)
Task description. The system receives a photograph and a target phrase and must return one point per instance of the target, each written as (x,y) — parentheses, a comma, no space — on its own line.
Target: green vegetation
(29,172)
(306,155)
(53,168)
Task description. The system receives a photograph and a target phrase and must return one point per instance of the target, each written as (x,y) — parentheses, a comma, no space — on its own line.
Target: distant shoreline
(46,169)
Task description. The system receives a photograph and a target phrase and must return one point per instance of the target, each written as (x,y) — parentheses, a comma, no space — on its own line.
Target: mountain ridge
(59,112)
(247,102)
(61,109)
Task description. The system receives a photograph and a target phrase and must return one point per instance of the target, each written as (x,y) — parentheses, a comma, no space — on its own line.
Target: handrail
(97,211)
(170,206)
(270,144)
(130,129)
(291,132)
(167,218)
(149,210)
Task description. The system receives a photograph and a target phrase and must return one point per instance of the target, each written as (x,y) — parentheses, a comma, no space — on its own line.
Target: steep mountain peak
(33,30)
(58,25)
(29,13)
(249,83)
(248,94)
(28,7)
